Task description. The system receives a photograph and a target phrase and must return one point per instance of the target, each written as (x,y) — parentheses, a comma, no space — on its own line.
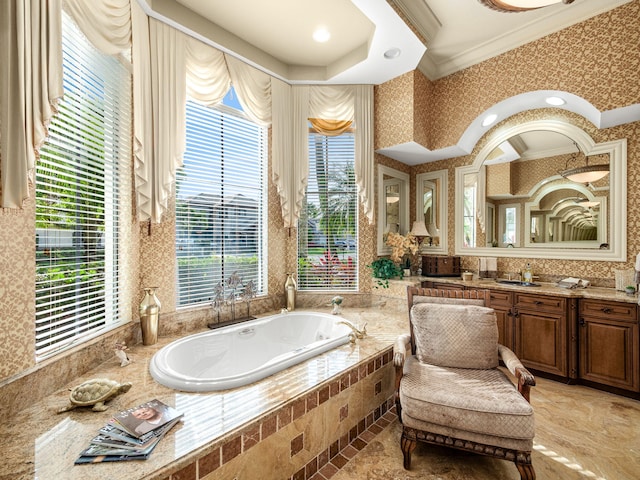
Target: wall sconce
(520,5)
(586,174)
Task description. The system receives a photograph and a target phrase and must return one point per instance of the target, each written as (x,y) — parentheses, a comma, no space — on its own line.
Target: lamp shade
(419,229)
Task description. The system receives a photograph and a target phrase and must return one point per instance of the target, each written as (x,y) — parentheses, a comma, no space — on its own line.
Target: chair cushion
(484,402)
(459,336)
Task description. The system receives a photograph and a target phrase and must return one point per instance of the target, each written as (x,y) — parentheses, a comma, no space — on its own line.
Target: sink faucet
(356,333)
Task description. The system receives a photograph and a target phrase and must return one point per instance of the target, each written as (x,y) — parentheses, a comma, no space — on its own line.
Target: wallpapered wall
(597,60)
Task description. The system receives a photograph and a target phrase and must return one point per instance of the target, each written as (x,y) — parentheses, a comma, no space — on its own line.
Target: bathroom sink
(519,283)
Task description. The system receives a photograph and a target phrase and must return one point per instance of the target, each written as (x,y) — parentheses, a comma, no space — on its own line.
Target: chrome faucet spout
(356,332)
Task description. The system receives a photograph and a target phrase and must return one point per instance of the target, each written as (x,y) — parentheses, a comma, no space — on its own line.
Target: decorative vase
(290,288)
(149,316)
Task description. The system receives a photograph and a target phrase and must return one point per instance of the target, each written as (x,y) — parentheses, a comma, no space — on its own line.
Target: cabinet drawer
(499,298)
(542,303)
(625,312)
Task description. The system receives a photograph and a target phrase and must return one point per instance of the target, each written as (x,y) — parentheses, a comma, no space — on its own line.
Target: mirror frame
(382,205)
(617,215)
(441,209)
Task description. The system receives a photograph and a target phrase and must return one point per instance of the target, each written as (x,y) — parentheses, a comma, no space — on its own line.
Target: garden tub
(244,353)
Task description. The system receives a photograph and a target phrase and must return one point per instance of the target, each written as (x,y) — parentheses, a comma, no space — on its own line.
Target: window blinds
(327,229)
(220,205)
(77,198)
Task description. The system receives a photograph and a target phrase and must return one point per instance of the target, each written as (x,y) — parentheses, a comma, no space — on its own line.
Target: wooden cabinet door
(607,353)
(609,344)
(541,341)
(502,303)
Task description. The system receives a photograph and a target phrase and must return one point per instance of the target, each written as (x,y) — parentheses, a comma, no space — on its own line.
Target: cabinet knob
(606,310)
(537,302)
(582,322)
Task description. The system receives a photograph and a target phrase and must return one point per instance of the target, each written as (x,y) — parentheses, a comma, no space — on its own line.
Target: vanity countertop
(596,293)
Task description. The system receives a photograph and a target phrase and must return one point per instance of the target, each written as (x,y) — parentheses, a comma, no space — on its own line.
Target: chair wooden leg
(398,408)
(407,445)
(526,471)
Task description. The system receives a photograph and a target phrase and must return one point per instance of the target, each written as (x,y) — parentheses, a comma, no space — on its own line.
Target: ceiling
(443,36)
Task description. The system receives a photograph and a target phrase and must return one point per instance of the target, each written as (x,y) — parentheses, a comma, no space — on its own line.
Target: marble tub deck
(39,444)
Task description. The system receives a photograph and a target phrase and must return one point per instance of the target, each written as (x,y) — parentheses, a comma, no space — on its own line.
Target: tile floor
(581,434)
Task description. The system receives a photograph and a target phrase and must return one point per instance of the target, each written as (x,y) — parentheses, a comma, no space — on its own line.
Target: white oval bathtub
(237,355)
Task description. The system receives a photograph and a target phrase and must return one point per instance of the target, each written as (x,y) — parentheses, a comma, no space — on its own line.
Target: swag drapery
(168,67)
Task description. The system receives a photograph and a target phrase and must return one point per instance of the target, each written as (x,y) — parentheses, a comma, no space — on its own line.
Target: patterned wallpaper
(597,59)
(17,288)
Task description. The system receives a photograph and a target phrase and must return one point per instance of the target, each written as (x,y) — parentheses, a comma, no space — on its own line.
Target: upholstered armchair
(449,389)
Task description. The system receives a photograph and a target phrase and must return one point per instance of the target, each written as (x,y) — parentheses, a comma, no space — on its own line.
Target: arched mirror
(521,196)
(431,208)
(393,205)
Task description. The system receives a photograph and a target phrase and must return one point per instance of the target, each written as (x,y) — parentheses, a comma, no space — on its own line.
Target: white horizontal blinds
(327,229)
(77,195)
(220,204)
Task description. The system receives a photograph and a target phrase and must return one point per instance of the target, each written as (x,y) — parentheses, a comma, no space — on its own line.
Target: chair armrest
(525,379)
(399,354)
(400,349)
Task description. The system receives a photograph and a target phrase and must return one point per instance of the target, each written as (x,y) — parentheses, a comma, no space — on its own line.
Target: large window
(220,204)
(78,197)
(327,229)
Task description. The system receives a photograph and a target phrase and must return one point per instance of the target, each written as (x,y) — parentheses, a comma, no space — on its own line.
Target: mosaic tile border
(338,453)
(331,461)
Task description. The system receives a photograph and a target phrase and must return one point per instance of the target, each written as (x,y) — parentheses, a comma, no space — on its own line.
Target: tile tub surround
(338,390)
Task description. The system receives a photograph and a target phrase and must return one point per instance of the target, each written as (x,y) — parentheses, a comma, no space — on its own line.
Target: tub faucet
(356,333)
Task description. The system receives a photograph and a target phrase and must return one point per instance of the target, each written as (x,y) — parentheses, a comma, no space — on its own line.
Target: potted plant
(383,269)
(630,289)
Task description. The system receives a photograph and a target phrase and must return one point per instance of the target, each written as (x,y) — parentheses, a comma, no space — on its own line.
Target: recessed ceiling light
(392,53)
(555,101)
(489,119)
(321,35)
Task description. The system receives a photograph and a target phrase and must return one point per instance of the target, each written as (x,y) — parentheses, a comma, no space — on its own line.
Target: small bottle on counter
(527,274)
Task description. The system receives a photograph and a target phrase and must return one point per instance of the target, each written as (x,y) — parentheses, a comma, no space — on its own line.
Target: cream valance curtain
(207,78)
(168,115)
(106,23)
(364,168)
(30,85)
(293,107)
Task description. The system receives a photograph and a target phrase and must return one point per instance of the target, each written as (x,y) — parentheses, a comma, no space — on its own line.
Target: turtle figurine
(95,392)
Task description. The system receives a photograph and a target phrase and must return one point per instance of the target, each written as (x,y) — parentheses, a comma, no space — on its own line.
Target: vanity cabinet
(502,302)
(540,331)
(609,343)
